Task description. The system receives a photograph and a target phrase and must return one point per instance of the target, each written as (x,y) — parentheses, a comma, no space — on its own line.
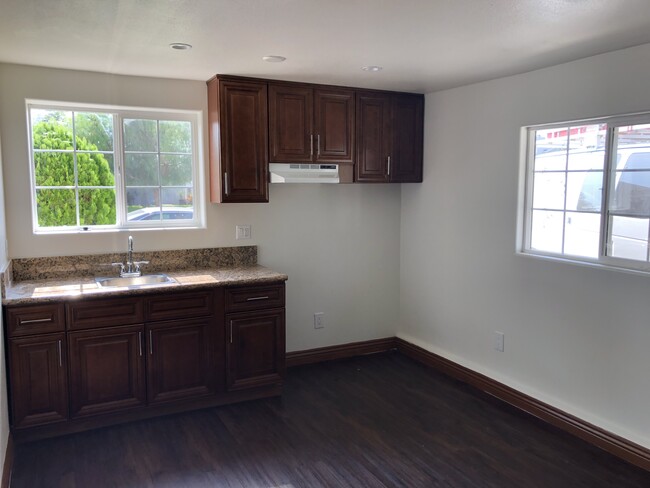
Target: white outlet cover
(242,232)
(499,341)
(319,320)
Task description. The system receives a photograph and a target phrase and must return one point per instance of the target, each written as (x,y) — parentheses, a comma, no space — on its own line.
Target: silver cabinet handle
(151,342)
(318,145)
(35,321)
(388,165)
(231,331)
(140,342)
(311,144)
(251,299)
(60,354)
(225,182)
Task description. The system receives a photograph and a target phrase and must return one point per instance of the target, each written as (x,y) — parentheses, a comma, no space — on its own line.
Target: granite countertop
(50,290)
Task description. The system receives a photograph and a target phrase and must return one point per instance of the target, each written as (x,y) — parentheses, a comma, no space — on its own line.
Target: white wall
(4,416)
(339,244)
(575,337)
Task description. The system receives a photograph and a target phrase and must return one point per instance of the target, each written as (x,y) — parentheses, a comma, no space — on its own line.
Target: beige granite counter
(49,290)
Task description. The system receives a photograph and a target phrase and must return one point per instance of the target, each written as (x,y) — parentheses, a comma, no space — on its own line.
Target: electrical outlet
(319,320)
(499,341)
(242,232)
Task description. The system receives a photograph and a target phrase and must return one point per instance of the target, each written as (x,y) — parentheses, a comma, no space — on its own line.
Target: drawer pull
(252,299)
(35,321)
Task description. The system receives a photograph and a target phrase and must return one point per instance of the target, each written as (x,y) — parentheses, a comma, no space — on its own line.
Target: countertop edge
(185,280)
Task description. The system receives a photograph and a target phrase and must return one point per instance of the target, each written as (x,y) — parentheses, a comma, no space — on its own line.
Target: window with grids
(587,193)
(94,167)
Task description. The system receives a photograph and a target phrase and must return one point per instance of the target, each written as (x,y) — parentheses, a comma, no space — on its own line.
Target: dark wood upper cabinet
(389,137)
(38,380)
(291,123)
(238,127)
(373,137)
(408,138)
(107,371)
(334,125)
(310,125)
(180,359)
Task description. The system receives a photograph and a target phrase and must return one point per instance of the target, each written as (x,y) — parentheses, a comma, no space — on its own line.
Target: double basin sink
(135,281)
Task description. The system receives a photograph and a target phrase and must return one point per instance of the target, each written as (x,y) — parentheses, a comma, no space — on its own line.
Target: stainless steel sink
(136,281)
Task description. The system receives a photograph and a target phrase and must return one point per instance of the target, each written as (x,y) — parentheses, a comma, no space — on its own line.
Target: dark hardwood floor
(375,421)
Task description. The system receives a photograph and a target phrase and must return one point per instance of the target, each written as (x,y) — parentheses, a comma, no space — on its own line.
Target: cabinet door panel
(334,125)
(37,380)
(239,128)
(181,360)
(291,123)
(256,349)
(106,370)
(373,137)
(408,125)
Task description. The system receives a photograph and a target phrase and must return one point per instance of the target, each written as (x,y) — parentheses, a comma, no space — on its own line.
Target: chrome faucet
(132,268)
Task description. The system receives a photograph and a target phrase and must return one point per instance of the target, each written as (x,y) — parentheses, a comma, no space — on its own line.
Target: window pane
(546,232)
(97,207)
(51,129)
(582,234)
(549,190)
(633,135)
(587,160)
(95,169)
(587,137)
(140,135)
(175,136)
(141,198)
(141,169)
(54,168)
(629,238)
(95,130)
(632,193)
(551,141)
(176,170)
(56,208)
(552,161)
(585,191)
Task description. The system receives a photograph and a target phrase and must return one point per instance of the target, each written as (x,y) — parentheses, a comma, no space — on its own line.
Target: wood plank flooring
(375,421)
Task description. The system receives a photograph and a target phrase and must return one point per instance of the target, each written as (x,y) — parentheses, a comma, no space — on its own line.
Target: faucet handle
(118,265)
(137,264)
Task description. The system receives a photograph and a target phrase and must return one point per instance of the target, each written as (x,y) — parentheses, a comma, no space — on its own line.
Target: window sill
(586,264)
(113,230)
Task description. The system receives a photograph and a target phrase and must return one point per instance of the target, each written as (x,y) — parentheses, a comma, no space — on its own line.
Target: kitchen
(401,260)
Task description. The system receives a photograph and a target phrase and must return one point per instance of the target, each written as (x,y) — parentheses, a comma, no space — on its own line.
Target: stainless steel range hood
(304,173)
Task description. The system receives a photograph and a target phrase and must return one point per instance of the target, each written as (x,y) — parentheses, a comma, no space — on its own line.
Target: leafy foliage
(57,207)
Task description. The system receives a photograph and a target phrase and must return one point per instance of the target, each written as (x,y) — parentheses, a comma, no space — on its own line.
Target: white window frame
(119,113)
(526,182)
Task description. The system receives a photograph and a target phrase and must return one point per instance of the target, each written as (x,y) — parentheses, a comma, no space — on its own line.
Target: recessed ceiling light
(180,46)
(274,59)
(372,68)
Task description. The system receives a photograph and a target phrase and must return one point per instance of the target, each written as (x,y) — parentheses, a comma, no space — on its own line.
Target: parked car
(168,213)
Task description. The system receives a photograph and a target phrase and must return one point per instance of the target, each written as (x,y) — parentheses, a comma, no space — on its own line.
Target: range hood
(304,173)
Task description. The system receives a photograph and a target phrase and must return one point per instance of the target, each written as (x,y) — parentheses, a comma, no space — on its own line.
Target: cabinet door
(238,141)
(256,348)
(180,359)
(106,370)
(291,126)
(373,137)
(334,126)
(407,132)
(37,380)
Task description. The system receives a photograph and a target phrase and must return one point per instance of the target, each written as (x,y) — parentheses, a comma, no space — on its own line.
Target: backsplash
(90,265)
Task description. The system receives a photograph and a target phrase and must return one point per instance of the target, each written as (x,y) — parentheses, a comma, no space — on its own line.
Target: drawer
(241,299)
(88,314)
(179,305)
(35,319)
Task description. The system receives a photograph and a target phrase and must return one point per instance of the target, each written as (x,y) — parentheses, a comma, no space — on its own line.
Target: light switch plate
(242,232)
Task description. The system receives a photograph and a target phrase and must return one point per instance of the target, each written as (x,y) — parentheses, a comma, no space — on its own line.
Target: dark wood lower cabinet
(107,370)
(256,345)
(180,359)
(39,393)
(166,353)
